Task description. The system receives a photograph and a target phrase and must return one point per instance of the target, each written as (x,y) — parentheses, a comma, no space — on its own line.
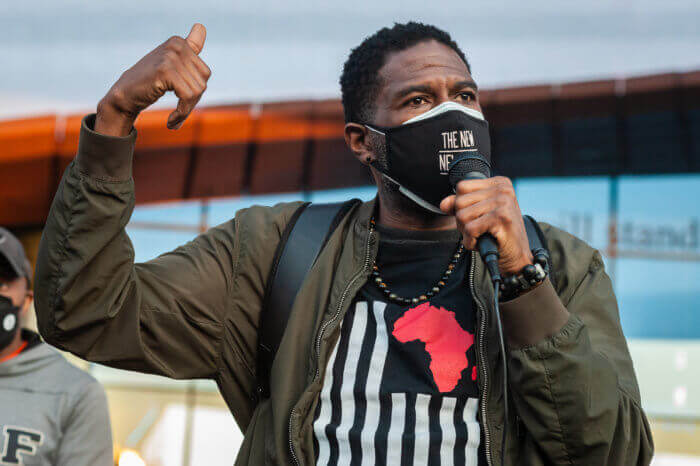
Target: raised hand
(175,66)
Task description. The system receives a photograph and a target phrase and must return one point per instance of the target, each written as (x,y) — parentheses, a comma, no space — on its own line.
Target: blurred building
(616,162)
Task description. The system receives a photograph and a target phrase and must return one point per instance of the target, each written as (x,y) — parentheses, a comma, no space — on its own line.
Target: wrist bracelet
(530,276)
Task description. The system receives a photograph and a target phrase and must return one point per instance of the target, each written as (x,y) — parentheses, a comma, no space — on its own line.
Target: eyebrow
(466,83)
(424,88)
(411,89)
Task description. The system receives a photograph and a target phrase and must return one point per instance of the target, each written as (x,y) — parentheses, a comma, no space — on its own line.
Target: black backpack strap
(538,243)
(306,233)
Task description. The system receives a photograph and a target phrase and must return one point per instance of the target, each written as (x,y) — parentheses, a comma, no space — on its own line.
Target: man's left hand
(490,206)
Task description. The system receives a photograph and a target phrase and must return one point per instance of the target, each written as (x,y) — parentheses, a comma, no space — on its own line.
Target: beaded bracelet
(530,276)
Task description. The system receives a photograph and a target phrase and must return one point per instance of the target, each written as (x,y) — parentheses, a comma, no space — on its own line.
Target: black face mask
(9,321)
(419,151)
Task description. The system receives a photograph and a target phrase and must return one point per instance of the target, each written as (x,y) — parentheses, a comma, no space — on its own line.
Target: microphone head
(468,167)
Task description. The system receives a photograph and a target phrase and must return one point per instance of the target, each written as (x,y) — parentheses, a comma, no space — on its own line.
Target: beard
(389,191)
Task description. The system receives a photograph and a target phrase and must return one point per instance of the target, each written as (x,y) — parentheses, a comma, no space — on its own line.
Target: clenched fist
(172,66)
(490,206)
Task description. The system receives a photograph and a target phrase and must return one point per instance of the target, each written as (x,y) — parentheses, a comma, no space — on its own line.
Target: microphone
(476,167)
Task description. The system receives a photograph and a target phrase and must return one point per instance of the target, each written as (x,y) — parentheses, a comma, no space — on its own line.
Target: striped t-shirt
(400,386)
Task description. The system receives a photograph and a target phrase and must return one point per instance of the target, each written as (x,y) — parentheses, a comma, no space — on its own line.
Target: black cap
(12,251)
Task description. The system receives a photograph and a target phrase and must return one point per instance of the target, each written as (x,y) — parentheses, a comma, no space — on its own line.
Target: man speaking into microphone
(391,352)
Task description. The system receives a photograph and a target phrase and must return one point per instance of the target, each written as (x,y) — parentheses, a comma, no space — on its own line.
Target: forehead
(421,63)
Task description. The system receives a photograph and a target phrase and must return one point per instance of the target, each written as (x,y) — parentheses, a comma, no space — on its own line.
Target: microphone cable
(501,342)
(491,261)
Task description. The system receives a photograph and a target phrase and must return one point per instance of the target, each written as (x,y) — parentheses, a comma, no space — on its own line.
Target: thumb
(195,39)
(448,204)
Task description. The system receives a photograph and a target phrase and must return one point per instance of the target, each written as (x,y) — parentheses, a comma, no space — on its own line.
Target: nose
(442,97)
(442,93)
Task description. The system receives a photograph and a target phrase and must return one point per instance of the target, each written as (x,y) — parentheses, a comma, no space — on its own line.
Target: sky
(63,56)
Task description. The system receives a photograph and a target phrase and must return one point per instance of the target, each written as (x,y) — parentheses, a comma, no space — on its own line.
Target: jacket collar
(364,214)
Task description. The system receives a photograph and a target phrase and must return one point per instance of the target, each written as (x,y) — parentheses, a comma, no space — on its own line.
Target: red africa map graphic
(445,341)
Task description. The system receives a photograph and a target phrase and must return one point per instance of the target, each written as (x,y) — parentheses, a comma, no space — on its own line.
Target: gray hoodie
(51,413)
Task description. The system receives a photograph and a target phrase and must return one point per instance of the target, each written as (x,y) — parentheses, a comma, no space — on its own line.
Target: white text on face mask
(450,139)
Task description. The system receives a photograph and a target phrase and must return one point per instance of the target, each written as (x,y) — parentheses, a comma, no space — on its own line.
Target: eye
(467,96)
(416,101)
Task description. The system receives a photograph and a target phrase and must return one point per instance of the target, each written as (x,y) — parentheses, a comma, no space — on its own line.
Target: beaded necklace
(381,284)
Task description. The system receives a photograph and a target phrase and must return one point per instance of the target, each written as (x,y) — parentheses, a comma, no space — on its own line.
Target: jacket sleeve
(169,316)
(87,436)
(575,390)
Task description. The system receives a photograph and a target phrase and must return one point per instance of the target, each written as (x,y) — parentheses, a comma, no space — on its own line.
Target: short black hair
(359,82)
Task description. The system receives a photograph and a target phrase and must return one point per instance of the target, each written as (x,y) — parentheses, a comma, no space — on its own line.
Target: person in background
(51,413)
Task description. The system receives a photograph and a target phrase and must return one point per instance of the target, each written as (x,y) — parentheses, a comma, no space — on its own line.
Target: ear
(28,298)
(357,139)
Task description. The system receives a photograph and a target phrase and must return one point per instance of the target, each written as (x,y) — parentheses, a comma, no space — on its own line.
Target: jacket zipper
(482,360)
(321,332)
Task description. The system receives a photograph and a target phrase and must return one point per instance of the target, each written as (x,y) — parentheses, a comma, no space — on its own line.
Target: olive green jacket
(194,312)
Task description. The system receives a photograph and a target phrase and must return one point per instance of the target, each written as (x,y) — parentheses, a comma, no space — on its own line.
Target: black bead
(529,271)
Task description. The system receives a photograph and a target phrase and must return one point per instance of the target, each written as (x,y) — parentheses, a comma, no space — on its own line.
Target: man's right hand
(172,66)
